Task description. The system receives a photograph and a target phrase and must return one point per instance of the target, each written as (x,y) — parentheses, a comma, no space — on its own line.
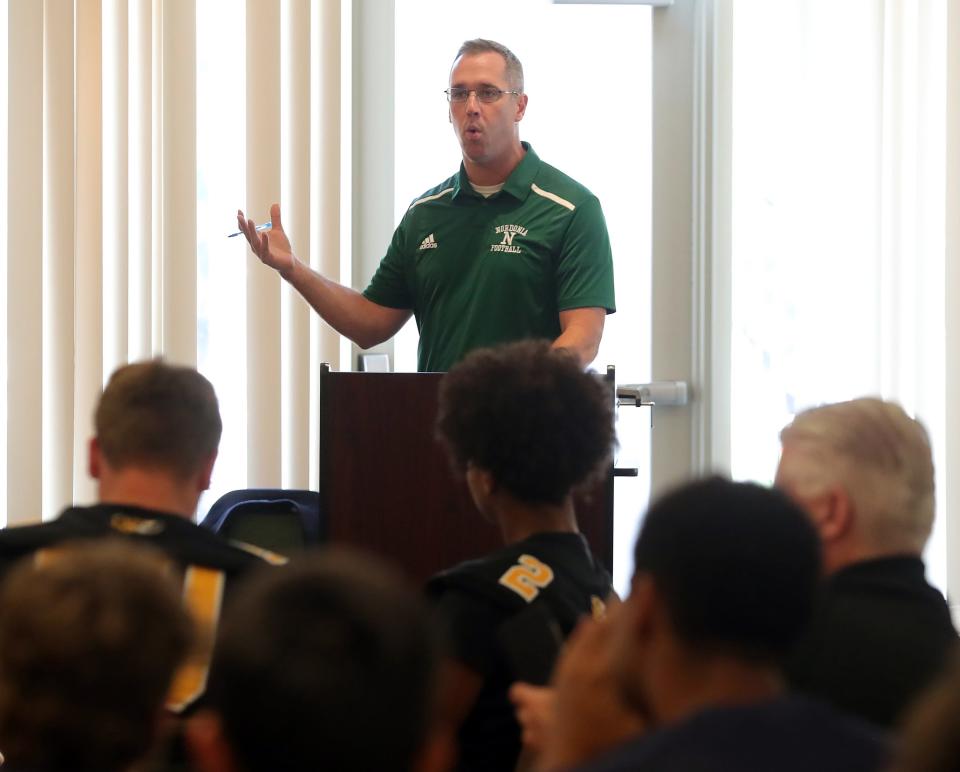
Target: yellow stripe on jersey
(46,555)
(203,598)
(273,558)
(598,609)
(140,526)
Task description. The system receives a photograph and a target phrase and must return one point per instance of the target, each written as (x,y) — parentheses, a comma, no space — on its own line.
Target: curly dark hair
(530,416)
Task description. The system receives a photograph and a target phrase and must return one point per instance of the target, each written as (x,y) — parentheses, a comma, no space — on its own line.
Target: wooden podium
(387,487)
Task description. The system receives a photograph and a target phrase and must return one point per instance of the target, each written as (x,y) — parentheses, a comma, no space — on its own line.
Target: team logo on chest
(508,233)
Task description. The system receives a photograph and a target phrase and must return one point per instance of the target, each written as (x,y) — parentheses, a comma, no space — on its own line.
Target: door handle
(658,393)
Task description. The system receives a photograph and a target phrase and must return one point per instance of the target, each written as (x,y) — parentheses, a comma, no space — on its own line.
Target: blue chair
(275,519)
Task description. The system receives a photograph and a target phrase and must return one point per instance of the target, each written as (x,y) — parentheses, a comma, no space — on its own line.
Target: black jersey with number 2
(506,616)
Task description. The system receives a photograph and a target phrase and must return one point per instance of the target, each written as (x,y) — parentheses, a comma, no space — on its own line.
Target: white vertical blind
(141,119)
(100,179)
(951,470)
(292,144)
(913,247)
(325,191)
(4,147)
(263,285)
(24,300)
(156,174)
(179,164)
(59,188)
(88,331)
(115,190)
(296,150)
(85,116)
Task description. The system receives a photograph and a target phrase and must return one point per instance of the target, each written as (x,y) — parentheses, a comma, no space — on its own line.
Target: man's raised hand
(271,246)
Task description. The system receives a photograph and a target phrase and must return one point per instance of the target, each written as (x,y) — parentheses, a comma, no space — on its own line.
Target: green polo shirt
(480,271)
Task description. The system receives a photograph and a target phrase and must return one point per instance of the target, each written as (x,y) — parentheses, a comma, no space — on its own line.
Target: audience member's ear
(93,458)
(642,606)
(481,485)
(834,517)
(208,747)
(206,472)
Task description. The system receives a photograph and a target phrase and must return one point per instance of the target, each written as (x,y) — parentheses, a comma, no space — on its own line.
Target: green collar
(517,184)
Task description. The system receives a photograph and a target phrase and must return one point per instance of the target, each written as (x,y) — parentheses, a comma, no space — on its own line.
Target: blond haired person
(863,471)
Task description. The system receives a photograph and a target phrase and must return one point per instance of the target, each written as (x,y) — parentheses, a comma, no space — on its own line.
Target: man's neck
(519,520)
(838,556)
(715,682)
(150,490)
(494,172)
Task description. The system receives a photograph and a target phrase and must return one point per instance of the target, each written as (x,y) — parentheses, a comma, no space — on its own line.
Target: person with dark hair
(89,641)
(527,427)
(507,248)
(328,664)
(724,582)
(157,429)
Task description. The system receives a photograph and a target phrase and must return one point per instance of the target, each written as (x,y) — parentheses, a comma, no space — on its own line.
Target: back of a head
(90,638)
(328,664)
(158,415)
(736,564)
(879,455)
(530,416)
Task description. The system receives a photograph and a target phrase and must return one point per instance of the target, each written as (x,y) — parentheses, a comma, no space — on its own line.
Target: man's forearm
(350,313)
(582,329)
(574,341)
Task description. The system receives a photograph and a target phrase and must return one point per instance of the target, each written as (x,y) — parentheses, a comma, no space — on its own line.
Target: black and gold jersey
(207,564)
(506,616)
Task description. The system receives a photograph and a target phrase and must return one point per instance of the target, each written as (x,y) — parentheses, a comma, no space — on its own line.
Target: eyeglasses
(486,94)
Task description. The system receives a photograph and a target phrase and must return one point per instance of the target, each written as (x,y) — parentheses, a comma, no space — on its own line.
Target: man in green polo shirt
(507,248)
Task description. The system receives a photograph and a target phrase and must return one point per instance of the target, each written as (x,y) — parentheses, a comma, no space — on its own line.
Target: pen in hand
(259,228)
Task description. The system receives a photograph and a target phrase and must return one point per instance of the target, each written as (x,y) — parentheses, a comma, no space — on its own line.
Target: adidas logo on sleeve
(428,243)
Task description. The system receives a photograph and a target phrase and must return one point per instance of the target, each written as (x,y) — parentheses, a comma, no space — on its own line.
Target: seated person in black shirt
(527,426)
(863,471)
(330,664)
(89,642)
(157,429)
(724,580)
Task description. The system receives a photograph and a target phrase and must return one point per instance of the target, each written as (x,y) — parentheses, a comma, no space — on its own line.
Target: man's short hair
(736,564)
(483,46)
(530,416)
(328,664)
(90,637)
(879,455)
(158,415)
